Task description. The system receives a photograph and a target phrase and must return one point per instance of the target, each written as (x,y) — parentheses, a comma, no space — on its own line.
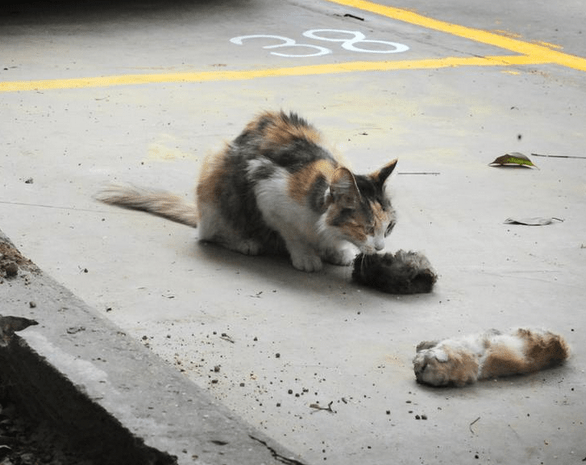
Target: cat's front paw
(441,366)
(343,256)
(306,262)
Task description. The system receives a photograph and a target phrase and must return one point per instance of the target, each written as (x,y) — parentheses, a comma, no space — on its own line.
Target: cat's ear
(381,175)
(343,188)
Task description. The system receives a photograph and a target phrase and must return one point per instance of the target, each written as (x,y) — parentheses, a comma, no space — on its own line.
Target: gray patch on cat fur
(401,273)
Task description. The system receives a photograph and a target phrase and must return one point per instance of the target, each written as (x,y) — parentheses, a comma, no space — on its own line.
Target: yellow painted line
(337,68)
(540,53)
(529,53)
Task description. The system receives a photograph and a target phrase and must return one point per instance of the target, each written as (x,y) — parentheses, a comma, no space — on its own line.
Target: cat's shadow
(275,269)
(277,272)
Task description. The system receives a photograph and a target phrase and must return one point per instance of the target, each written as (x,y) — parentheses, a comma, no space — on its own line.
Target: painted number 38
(353,41)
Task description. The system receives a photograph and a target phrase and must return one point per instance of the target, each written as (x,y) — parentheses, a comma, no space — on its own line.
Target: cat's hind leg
(214,228)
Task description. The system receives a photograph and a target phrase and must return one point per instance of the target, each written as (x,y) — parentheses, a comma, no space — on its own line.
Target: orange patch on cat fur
(214,168)
(356,231)
(301,182)
(379,215)
(502,362)
(545,351)
(539,351)
(281,132)
(461,366)
(352,229)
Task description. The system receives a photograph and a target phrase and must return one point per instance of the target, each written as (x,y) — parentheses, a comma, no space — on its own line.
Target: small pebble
(11,270)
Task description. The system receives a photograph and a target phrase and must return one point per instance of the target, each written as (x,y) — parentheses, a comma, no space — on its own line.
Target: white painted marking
(349,44)
(287,42)
(358,37)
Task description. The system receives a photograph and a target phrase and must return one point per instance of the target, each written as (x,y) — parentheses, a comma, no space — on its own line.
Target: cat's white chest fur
(306,240)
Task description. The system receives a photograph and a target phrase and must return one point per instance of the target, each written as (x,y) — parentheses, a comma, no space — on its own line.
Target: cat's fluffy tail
(156,202)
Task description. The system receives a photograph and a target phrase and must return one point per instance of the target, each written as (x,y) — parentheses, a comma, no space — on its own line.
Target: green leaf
(513,159)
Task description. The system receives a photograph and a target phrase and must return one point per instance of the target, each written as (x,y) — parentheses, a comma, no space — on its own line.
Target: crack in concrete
(276,455)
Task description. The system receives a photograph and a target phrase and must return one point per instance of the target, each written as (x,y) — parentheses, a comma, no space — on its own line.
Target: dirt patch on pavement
(12,261)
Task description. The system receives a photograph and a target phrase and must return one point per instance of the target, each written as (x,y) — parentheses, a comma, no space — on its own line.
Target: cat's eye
(389,228)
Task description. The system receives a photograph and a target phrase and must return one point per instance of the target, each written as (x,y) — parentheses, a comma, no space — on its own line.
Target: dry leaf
(537,221)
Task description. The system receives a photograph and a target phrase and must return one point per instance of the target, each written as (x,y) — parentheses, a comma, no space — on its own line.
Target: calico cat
(276,189)
(491,354)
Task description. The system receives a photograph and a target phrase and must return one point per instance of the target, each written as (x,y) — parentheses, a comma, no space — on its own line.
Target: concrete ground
(142,91)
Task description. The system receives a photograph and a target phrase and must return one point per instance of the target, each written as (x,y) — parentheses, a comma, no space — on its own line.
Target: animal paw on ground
(341,257)
(306,262)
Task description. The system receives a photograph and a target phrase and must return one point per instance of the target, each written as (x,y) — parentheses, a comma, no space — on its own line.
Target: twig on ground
(470,426)
(557,156)
(318,407)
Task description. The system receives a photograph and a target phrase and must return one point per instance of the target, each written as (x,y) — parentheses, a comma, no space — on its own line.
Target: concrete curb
(109,395)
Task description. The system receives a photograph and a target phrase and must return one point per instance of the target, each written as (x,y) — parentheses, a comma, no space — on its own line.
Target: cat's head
(438,365)
(359,208)
(430,365)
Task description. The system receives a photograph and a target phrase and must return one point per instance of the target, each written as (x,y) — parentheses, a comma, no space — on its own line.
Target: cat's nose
(379,244)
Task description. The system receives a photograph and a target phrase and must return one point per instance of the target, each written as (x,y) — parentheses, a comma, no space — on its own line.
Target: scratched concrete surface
(265,339)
